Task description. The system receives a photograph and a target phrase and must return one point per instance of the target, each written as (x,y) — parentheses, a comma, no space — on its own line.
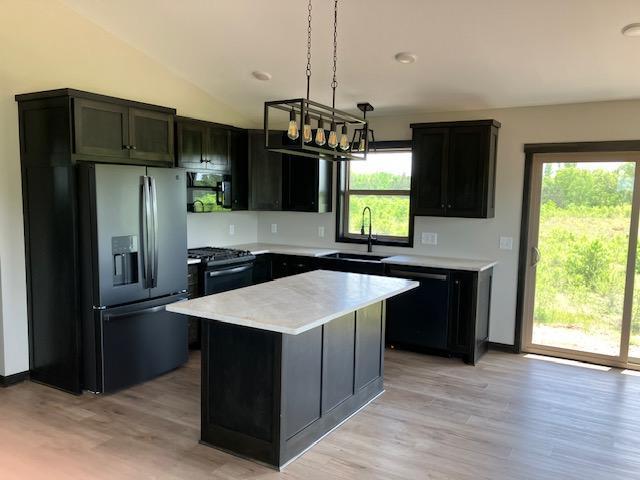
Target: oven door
(229,278)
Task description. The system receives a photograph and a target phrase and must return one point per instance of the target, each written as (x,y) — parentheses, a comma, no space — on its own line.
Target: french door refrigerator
(133,244)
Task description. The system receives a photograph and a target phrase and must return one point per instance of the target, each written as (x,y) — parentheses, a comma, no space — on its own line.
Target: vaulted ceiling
(472,54)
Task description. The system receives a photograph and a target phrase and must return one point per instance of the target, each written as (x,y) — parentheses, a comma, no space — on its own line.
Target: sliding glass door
(582,297)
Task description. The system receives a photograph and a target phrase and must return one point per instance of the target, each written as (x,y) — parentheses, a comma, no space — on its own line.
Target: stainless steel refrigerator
(133,244)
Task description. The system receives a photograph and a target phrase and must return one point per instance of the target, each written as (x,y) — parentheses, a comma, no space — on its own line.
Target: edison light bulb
(333,136)
(292,132)
(362,145)
(344,140)
(320,135)
(306,129)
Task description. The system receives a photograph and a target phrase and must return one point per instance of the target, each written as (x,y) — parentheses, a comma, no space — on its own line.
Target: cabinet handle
(411,274)
(133,147)
(442,205)
(449,206)
(125,147)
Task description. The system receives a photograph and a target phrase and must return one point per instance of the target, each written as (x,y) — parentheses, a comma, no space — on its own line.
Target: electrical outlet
(321,232)
(506,243)
(429,238)
(274,228)
(232,229)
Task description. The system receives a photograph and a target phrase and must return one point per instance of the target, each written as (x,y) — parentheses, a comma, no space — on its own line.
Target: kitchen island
(285,362)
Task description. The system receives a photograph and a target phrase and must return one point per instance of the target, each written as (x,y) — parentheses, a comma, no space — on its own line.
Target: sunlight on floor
(633,373)
(564,361)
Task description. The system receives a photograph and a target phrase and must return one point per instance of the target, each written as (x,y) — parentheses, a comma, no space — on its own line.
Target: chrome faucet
(369,237)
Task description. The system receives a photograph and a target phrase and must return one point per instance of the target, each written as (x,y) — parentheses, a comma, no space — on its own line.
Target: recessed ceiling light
(406,57)
(632,30)
(260,75)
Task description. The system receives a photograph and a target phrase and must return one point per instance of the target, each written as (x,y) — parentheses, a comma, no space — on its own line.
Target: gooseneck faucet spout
(369,237)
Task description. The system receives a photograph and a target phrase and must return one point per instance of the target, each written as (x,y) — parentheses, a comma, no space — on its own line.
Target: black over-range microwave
(208,191)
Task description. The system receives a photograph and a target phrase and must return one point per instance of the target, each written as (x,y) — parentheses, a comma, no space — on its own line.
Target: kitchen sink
(359,257)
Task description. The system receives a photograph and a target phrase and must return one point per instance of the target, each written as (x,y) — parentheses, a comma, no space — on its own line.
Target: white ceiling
(472,54)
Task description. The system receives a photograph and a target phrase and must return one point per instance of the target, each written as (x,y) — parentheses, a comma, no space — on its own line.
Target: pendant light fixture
(332,145)
(360,142)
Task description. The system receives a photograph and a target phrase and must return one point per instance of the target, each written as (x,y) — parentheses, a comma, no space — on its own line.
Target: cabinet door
(217,148)
(467,171)
(151,136)
(239,156)
(300,184)
(429,172)
(265,175)
(420,316)
(101,128)
(462,311)
(191,152)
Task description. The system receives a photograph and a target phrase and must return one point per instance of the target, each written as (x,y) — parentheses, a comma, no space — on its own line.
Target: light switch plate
(274,228)
(321,232)
(429,238)
(232,229)
(506,243)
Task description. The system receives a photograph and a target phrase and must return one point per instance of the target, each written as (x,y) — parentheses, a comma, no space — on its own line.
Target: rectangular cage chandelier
(300,139)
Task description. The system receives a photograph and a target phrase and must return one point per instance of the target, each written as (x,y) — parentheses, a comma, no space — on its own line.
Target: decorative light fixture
(333,145)
(405,57)
(632,30)
(360,141)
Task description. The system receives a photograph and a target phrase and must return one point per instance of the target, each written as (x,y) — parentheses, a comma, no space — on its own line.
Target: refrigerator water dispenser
(125,259)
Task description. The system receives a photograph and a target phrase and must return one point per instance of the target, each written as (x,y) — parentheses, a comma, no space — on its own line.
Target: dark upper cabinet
(119,132)
(287,182)
(203,145)
(306,184)
(239,157)
(430,150)
(150,135)
(101,128)
(217,148)
(453,168)
(265,174)
(190,139)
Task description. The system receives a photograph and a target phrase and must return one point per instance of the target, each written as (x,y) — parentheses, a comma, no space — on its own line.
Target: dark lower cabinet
(275,403)
(286,265)
(194,292)
(447,315)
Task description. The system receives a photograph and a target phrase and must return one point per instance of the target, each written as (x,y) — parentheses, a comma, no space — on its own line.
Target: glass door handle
(535,256)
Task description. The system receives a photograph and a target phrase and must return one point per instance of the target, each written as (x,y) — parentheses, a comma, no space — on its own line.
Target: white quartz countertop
(297,303)
(260,248)
(440,262)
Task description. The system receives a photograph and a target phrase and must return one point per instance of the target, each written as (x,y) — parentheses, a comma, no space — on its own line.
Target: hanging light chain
(308,72)
(334,83)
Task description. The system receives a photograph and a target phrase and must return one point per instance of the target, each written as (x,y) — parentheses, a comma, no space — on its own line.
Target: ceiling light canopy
(260,75)
(334,146)
(632,30)
(406,57)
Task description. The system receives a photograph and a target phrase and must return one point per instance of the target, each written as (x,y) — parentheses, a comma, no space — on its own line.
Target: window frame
(342,201)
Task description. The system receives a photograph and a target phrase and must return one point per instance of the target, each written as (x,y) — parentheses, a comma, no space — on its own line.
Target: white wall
(47,45)
(212,229)
(477,238)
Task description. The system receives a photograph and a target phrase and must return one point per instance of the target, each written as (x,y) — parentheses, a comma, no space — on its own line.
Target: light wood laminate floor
(510,417)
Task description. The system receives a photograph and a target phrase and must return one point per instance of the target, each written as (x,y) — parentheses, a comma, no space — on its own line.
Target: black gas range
(223,269)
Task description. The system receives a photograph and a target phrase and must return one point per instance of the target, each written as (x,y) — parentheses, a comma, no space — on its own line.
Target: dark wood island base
(269,396)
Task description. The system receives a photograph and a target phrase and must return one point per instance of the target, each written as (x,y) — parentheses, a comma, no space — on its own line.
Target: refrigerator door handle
(146,215)
(154,205)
